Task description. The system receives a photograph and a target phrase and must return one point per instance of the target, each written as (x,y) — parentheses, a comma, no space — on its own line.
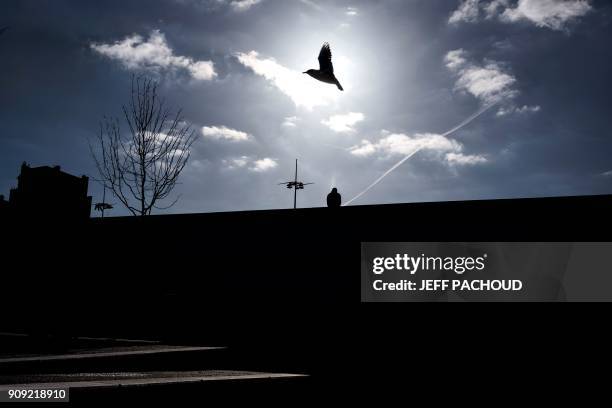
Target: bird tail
(339,86)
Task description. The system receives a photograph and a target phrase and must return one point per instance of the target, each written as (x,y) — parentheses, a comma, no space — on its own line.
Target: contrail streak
(395,166)
(399,163)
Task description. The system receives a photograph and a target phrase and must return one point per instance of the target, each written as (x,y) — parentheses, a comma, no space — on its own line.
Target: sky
(533,75)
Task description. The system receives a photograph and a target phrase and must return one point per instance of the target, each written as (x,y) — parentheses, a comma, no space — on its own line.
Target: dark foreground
(123,370)
(280,290)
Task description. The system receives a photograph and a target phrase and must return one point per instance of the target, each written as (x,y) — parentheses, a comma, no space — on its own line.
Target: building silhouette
(48,192)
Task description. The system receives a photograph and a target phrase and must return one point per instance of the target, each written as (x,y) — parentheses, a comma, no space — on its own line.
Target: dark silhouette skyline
(48,192)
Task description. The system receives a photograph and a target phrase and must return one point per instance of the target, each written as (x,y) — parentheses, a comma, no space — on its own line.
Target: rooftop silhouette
(48,192)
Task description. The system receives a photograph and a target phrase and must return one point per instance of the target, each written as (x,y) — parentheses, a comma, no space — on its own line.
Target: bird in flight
(325,73)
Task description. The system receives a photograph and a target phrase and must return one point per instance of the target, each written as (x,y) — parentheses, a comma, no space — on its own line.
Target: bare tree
(142,165)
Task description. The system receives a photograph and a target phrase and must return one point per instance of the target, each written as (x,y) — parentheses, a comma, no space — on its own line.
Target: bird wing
(325,59)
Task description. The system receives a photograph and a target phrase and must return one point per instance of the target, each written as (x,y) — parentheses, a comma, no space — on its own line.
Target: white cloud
(607,174)
(366,148)
(508,110)
(264,164)
(135,52)
(303,90)
(202,70)
(402,144)
(344,123)
(460,159)
(455,59)
(393,144)
(224,133)
(553,14)
(252,164)
(290,121)
(494,8)
(470,11)
(467,11)
(488,82)
(243,5)
(236,163)
(352,11)
(529,109)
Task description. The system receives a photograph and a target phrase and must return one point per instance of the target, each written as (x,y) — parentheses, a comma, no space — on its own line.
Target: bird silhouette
(325,73)
(3,29)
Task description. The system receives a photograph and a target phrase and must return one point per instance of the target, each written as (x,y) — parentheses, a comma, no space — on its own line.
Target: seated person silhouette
(334,199)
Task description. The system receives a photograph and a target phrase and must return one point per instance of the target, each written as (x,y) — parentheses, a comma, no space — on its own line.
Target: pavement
(93,380)
(105,352)
(94,368)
